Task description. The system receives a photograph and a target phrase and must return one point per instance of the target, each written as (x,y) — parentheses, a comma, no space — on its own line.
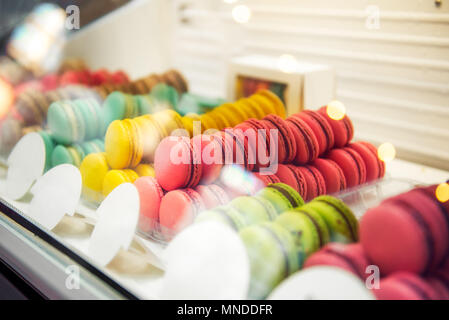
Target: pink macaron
(211,157)
(332,174)
(150,193)
(178,210)
(352,165)
(349,257)
(405,286)
(286,141)
(343,129)
(405,233)
(212,195)
(177,163)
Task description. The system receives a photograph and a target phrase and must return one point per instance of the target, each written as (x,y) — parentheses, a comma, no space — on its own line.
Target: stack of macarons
(144,85)
(99,179)
(405,242)
(129,142)
(292,237)
(119,105)
(72,121)
(228,115)
(87,77)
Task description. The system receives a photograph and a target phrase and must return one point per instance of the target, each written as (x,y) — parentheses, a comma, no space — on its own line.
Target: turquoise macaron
(49,146)
(67,155)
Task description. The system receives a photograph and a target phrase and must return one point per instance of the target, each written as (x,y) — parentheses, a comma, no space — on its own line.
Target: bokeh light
(287,63)
(442,192)
(386,152)
(241,13)
(6,97)
(336,110)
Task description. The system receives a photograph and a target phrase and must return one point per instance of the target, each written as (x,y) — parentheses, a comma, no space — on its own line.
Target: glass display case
(144,154)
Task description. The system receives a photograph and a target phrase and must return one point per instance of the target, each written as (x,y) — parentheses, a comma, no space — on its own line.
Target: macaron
(315,182)
(307,147)
(268,242)
(178,209)
(211,155)
(372,162)
(333,175)
(351,163)
(114,178)
(282,196)
(293,177)
(93,146)
(349,257)
(266,179)
(177,164)
(212,195)
(145,170)
(49,147)
(71,155)
(254,210)
(308,230)
(405,286)
(118,106)
(65,122)
(274,99)
(93,169)
(123,144)
(408,232)
(439,281)
(373,150)
(165,95)
(343,129)
(320,127)
(286,145)
(340,220)
(150,193)
(225,215)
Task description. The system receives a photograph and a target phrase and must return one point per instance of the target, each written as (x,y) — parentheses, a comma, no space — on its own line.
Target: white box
(307,85)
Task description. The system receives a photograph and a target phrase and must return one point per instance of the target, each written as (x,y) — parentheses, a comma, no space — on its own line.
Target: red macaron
(343,129)
(405,286)
(150,193)
(178,210)
(373,164)
(405,233)
(285,140)
(293,177)
(177,164)
(352,165)
(320,127)
(439,280)
(315,183)
(307,146)
(349,257)
(332,174)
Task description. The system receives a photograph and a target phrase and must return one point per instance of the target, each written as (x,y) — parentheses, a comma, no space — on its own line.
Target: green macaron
(49,146)
(93,118)
(341,222)
(115,106)
(308,230)
(282,196)
(93,146)
(70,155)
(225,215)
(254,210)
(272,253)
(145,104)
(165,95)
(63,122)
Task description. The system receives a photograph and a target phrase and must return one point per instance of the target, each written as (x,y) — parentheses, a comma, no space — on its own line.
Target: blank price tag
(118,215)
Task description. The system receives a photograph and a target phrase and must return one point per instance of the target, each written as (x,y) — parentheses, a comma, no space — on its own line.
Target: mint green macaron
(49,146)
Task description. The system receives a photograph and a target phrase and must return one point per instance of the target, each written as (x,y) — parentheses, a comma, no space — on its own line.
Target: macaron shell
(316,185)
(292,177)
(307,147)
(252,210)
(320,127)
(277,103)
(93,169)
(371,161)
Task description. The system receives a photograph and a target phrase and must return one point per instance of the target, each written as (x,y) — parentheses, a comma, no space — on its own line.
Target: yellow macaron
(114,178)
(145,170)
(277,103)
(93,169)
